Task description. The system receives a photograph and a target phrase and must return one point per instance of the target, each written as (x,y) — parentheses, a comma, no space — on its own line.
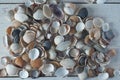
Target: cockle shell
(61,72)
(68,63)
(80,26)
(23,74)
(58,39)
(38,15)
(48,68)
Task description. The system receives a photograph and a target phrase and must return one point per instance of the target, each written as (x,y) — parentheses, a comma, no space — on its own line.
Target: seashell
(40,1)
(16,23)
(79,45)
(29,36)
(47,11)
(74,53)
(58,39)
(57,11)
(80,26)
(82,61)
(9,30)
(110,71)
(83,75)
(68,63)
(91,63)
(48,68)
(7,41)
(37,63)
(89,25)
(88,50)
(103,76)
(91,73)
(69,8)
(109,35)
(100,57)
(11,69)
(21,17)
(52,53)
(79,69)
(47,45)
(28,3)
(100,1)
(16,48)
(105,27)
(64,29)
(100,68)
(28,67)
(15,32)
(25,57)
(55,27)
(56,64)
(3,73)
(61,72)
(34,53)
(74,41)
(34,73)
(83,13)
(98,22)
(111,52)
(23,74)
(10,15)
(19,62)
(5,60)
(63,46)
(38,15)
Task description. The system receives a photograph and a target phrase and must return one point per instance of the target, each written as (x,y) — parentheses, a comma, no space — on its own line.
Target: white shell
(89,24)
(40,1)
(48,68)
(47,11)
(98,22)
(83,75)
(29,36)
(4,60)
(80,26)
(64,29)
(55,24)
(74,52)
(16,48)
(79,45)
(61,72)
(20,10)
(52,53)
(34,53)
(23,74)
(103,76)
(63,46)
(11,70)
(69,8)
(68,63)
(58,39)
(100,1)
(38,15)
(105,27)
(21,17)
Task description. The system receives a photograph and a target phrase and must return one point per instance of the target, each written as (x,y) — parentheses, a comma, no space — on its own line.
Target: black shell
(47,45)
(83,13)
(15,32)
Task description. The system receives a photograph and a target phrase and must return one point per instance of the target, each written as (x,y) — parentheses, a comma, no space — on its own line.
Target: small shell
(103,76)
(111,52)
(82,61)
(109,35)
(3,73)
(28,67)
(68,63)
(16,23)
(89,25)
(40,1)
(79,45)
(105,27)
(9,30)
(34,74)
(5,60)
(64,29)
(19,62)
(91,73)
(83,13)
(55,27)
(98,22)
(48,68)
(80,26)
(79,69)
(15,32)
(110,71)
(47,45)
(47,11)
(52,53)
(23,74)
(61,72)
(29,36)
(83,75)
(74,52)
(58,39)
(37,63)
(34,53)
(11,69)
(25,57)
(38,15)
(69,8)
(63,46)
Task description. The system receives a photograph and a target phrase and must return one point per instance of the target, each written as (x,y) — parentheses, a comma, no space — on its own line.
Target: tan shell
(111,52)
(19,62)
(37,63)
(25,57)
(16,23)
(9,30)
(3,73)
(64,29)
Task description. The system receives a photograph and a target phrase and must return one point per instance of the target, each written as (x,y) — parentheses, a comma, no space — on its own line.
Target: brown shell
(9,30)
(25,57)
(110,71)
(56,64)
(19,62)
(111,52)
(16,23)
(91,73)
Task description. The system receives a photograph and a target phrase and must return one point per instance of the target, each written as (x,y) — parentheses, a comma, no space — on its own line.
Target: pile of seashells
(49,38)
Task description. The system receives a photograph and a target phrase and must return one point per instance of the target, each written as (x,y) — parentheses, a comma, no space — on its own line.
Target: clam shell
(29,36)
(79,45)
(103,76)
(19,62)
(21,17)
(55,27)
(38,15)
(63,46)
(48,68)
(98,22)
(68,63)
(23,74)
(74,52)
(64,29)
(80,27)
(34,53)
(11,69)
(69,8)
(61,72)
(47,11)
(58,39)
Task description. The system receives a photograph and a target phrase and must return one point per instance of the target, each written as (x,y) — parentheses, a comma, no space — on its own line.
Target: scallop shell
(58,39)
(38,15)
(48,68)
(98,22)
(103,76)
(80,27)
(61,72)
(68,63)
(64,29)
(69,8)
(19,62)
(11,69)
(63,46)
(47,11)
(29,36)
(23,74)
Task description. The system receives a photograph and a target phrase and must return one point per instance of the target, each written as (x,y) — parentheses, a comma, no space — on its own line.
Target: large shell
(48,68)
(61,72)
(38,15)
(23,74)
(68,63)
